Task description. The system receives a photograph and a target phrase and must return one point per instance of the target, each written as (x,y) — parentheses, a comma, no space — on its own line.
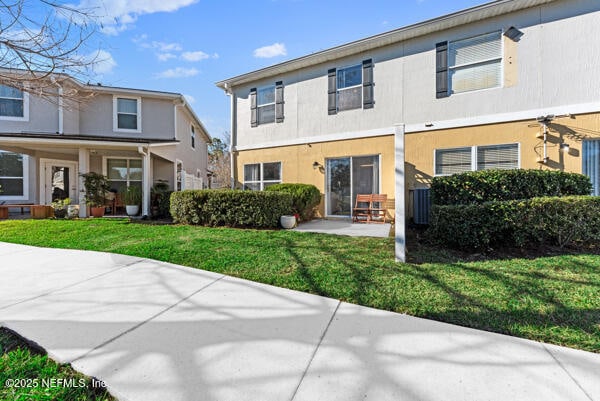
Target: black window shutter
(331,92)
(367,66)
(253,111)
(279,101)
(441,70)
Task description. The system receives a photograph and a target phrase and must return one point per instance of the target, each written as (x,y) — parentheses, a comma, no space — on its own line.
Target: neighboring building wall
(552,65)
(196,158)
(97,114)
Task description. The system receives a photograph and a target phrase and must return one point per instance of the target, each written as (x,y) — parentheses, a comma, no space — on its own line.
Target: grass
(39,377)
(554,299)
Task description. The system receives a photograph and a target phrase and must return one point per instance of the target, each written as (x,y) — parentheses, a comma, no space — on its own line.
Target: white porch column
(84,167)
(400,248)
(145,182)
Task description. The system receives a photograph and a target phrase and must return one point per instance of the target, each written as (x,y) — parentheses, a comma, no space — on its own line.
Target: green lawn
(552,299)
(39,378)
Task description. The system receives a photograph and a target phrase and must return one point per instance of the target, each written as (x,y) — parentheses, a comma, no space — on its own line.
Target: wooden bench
(36,211)
(371,207)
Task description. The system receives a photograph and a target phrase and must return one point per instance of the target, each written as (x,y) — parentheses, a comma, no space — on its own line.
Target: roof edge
(469,15)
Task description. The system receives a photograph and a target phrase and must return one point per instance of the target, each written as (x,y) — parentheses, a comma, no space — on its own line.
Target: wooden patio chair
(117,203)
(378,209)
(362,208)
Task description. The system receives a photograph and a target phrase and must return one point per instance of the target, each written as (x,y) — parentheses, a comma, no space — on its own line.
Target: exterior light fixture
(513,34)
(564,147)
(317,165)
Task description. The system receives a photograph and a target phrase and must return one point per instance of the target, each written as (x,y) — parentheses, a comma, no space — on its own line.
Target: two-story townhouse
(135,137)
(508,84)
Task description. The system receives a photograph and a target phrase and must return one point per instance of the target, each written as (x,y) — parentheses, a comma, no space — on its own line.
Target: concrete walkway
(345,227)
(154,331)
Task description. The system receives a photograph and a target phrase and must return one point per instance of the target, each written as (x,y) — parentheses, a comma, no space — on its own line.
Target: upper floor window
(261,175)
(127,114)
(266,104)
(459,160)
(13,104)
(193,137)
(469,64)
(13,175)
(350,87)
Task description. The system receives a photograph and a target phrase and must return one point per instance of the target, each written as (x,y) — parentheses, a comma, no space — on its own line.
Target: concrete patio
(345,227)
(155,331)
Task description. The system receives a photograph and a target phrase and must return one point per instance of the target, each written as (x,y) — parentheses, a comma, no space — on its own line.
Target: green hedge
(230,208)
(562,221)
(502,185)
(305,197)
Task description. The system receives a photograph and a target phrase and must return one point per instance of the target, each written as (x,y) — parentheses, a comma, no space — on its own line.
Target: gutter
(445,22)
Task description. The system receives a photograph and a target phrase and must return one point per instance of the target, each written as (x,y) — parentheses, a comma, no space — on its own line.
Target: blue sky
(187,45)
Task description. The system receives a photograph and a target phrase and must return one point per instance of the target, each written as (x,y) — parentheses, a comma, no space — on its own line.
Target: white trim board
(436,125)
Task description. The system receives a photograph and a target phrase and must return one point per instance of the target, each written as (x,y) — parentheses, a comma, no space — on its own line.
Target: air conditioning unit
(421,205)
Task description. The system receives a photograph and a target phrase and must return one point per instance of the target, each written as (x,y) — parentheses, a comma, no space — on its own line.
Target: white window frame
(193,136)
(337,89)
(25,116)
(273,103)
(461,66)
(128,181)
(116,114)
(25,195)
(262,181)
(474,156)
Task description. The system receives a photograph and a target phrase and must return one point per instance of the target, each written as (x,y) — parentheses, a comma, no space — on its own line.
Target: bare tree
(42,43)
(219,160)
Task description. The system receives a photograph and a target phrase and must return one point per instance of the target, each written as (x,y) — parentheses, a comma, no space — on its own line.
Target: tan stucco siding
(297,161)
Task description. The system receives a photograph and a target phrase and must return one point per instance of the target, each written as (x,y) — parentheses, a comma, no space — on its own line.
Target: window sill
(134,131)
(6,118)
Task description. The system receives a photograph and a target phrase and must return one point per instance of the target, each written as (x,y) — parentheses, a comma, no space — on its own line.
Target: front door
(347,177)
(58,181)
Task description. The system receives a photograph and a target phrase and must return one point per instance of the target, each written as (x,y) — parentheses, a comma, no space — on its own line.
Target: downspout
(181,103)
(231,95)
(60,107)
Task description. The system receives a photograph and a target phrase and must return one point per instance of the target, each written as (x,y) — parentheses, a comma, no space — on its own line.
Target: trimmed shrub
(305,197)
(503,185)
(562,221)
(231,208)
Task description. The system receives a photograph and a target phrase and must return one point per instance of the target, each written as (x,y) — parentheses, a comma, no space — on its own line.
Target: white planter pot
(132,210)
(287,222)
(72,211)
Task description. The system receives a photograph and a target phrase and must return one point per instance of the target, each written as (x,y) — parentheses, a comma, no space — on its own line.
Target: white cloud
(165,56)
(274,50)
(102,62)
(163,46)
(194,56)
(190,99)
(178,72)
(116,16)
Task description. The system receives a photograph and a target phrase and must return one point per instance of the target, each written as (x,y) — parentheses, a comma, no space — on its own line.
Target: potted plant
(133,199)
(96,186)
(60,207)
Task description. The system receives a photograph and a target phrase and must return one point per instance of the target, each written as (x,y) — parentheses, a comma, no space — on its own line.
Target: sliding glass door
(347,177)
(591,163)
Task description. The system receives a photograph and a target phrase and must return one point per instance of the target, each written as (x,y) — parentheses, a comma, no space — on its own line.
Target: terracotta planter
(97,211)
(3,213)
(41,211)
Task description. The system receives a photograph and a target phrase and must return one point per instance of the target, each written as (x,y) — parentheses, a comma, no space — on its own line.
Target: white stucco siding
(556,65)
